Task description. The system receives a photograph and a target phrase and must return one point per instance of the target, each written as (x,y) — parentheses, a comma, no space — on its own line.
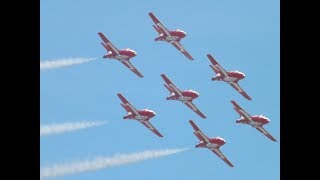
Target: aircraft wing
(224,158)
(262,130)
(171,85)
(199,133)
(181,49)
(240,90)
(241,111)
(108,45)
(152,128)
(159,24)
(128,106)
(194,108)
(216,67)
(132,68)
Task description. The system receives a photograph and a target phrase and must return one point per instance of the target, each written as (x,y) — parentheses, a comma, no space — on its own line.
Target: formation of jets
(185,96)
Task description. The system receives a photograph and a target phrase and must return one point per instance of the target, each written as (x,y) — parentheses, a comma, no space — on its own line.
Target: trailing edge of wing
(265,132)
(182,50)
(152,128)
(132,68)
(195,109)
(240,90)
(223,157)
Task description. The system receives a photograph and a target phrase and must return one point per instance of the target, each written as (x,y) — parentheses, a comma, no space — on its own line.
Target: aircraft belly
(171,38)
(246,115)
(255,124)
(229,79)
(140,117)
(211,146)
(121,57)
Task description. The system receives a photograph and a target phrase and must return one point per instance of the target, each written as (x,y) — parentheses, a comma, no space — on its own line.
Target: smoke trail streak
(67,127)
(104,162)
(63,62)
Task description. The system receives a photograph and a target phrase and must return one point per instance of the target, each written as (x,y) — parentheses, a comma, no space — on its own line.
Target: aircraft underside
(140,117)
(171,38)
(120,57)
(229,79)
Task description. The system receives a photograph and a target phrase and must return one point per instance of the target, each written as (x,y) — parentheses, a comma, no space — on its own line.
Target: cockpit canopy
(179,30)
(128,49)
(236,71)
(220,138)
(262,116)
(148,110)
(193,91)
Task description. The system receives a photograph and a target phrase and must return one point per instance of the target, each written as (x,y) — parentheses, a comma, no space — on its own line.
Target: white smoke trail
(67,127)
(104,162)
(63,62)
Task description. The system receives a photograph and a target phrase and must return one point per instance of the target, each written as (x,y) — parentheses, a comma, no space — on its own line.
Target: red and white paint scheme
(213,144)
(256,121)
(123,55)
(185,96)
(143,116)
(171,36)
(231,77)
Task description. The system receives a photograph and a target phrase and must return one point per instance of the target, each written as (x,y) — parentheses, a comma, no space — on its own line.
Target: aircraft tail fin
(169,89)
(214,69)
(105,46)
(125,107)
(238,112)
(157,29)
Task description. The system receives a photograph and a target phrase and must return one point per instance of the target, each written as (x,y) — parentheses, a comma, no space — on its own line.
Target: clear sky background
(241,35)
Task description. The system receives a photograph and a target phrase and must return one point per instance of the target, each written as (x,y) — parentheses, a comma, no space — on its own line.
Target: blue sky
(241,35)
